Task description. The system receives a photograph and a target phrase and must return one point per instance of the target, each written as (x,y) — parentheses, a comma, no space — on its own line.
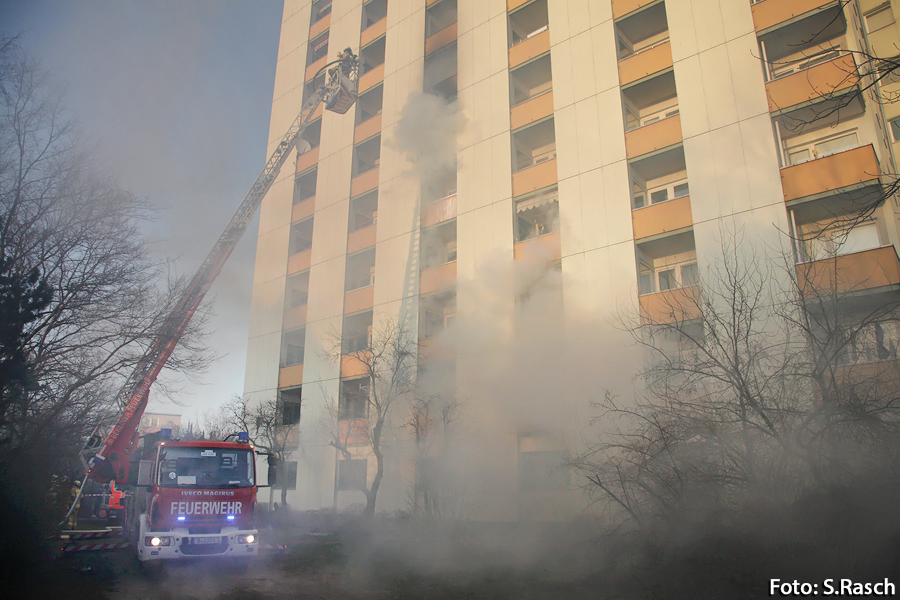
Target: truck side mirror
(273,470)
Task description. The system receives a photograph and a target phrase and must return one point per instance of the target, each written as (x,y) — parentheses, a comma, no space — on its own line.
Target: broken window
(357,332)
(364,211)
(437,312)
(354,398)
(537,215)
(642,30)
(528,21)
(439,16)
(370,104)
(650,101)
(360,270)
(301,236)
(367,155)
(530,80)
(352,474)
(290,406)
(293,344)
(318,48)
(297,290)
(305,185)
(440,73)
(439,245)
(534,144)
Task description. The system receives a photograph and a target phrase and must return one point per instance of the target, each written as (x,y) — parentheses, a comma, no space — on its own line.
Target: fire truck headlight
(153,540)
(246,539)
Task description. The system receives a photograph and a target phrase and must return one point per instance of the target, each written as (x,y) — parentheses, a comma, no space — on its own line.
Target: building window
(301,236)
(823,147)
(873,342)
(320,9)
(879,18)
(290,406)
(318,48)
(354,398)
(293,347)
(543,470)
(528,21)
(895,129)
(537,216)
(287,475)
(352,474)
(305,186)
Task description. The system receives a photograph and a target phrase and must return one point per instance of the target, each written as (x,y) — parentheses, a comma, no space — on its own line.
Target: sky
(174,98)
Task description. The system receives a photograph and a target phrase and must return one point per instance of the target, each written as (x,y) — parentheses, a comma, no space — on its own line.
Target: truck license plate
(205,540)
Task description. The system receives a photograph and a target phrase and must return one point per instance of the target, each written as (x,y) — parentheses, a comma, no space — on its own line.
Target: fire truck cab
(194,499)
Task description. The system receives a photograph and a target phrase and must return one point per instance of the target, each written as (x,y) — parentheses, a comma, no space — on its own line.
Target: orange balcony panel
(772,12)
(354,431)
(816,83)
(372,32)
(662,218)
(441,39)
(544,248)
(303,210)
(671,306)
(291,376)
(530,48)
(299,262)
(430,2)
(534,177)
(512,5)
(372,78)
(850,273)
(435,349)
(319,26)
(354,365)
(317,113)
(847,168)
(364,182)
(620,8)
(367,129)
(645,63)
(307,160)
(312,69)
(359,299)
(361,238)
(295,317)
(440,211)
(532,110)
(437,278)
(655,136)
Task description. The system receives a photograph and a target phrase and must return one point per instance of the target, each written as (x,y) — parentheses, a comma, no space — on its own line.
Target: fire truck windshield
(205,467)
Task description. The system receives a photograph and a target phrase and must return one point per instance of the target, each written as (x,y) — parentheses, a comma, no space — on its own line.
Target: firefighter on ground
(76,486)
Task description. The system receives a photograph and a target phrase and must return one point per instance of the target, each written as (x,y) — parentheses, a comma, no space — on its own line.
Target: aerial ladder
(110,460)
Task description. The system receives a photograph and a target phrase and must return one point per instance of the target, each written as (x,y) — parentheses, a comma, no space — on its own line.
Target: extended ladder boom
(338,93)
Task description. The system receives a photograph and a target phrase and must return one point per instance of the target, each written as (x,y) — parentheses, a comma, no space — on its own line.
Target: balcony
(371,79)
(620,8)
(856,167)
(821,82)
(661,218)
(312,69)
(436,278)
(364,182)
(544,248)
(367,129)
(531,111)
(320,26)
(645,63)
(307,160)
(303,210)
(532,47)
(299,261)
(373,32)
(439,211)
(859,271)
(359,299)
(441,39)
(653,137)
(361,239)
(291,376)
(534,178)
(294,317)
(769,13)
(435,350)
(671,306)
(353,365)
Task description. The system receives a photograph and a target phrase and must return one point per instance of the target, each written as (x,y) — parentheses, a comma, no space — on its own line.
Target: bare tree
(70,238)
(753,391)
(387,365)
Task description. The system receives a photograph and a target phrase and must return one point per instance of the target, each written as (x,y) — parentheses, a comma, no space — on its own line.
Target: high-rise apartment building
(568,158)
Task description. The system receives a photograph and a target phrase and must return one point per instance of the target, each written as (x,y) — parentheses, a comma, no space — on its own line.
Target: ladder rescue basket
(342,97)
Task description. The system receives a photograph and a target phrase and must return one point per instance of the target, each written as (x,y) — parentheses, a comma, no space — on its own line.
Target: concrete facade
(602,151)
